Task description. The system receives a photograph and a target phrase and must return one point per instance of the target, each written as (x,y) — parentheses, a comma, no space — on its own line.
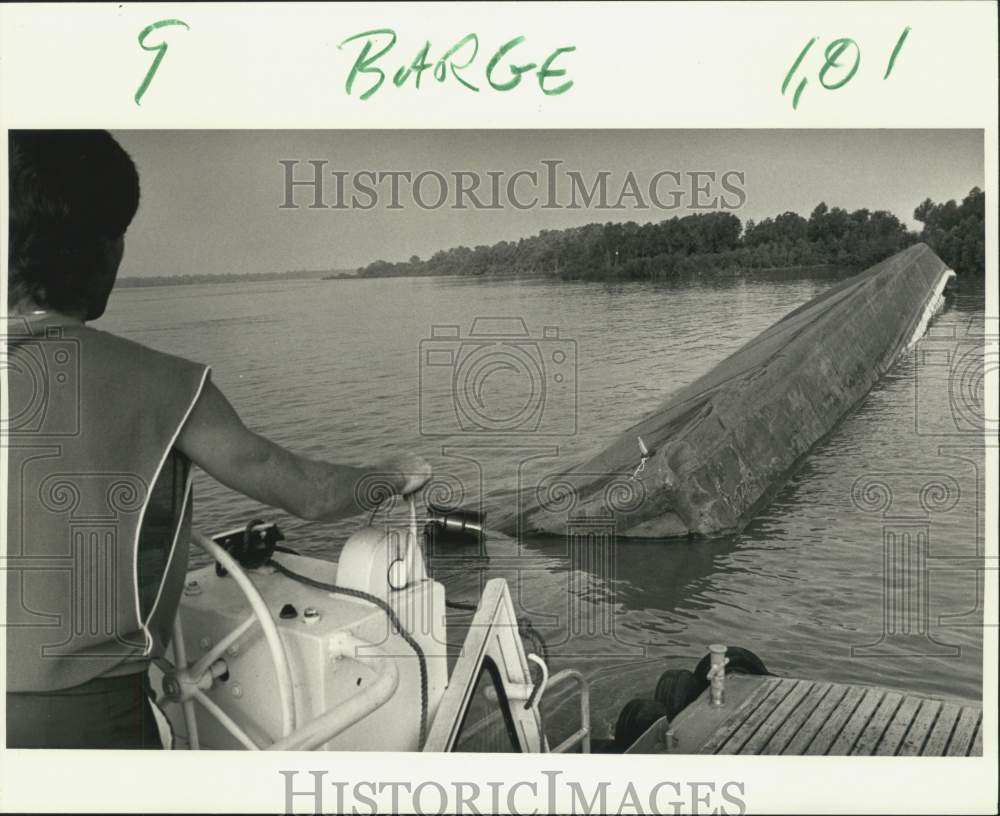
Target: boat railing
(581,736)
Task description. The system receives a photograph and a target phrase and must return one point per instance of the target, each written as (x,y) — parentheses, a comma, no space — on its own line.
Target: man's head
(73,194)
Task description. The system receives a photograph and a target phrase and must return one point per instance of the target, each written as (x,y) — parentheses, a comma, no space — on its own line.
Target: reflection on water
(333,369)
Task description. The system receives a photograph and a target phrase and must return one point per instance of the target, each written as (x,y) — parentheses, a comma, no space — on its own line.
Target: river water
(355,370)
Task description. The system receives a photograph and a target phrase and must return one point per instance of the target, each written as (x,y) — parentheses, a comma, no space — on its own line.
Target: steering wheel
(186,683)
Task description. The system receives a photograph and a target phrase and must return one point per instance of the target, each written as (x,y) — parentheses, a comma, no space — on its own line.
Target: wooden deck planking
(717,739)
(816,720)
(758,727)
(838,719)
(894,734)
(802,717)
(965,731)
(755,718)
(778,717)
(920,728)
(940,734)
(857,722)
(796,719)
(871,736)
(977,743)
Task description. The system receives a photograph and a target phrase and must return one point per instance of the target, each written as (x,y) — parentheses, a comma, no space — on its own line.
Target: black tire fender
(741,661)
(677,689)
(634,720)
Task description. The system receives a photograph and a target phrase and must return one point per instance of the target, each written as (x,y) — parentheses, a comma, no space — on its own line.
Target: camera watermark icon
(43,381)
(497,379)
(954,368)
(906,552)
(572,607)
(565,497)
(97,590)
(591,518)
(974,558)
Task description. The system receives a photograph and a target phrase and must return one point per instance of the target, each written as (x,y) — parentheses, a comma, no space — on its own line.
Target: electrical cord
(525,628)
(528,632)
(390,613)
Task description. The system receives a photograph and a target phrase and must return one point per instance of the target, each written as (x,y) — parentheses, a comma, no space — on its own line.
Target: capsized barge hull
(723,445)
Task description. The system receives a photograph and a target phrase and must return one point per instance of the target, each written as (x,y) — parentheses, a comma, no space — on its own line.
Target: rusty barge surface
(721,446)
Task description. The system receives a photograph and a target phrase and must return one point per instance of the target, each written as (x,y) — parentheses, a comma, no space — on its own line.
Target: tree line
(717,242)
(957,232)
(241,277)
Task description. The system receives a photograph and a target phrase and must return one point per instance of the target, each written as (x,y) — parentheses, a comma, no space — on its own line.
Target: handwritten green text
(503,72)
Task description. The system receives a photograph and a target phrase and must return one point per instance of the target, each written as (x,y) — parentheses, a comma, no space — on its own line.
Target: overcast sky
(210,199)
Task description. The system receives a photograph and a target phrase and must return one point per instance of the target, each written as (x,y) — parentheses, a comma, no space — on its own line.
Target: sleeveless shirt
(98,499)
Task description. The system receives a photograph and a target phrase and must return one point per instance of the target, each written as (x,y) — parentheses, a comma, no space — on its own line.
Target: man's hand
(414,472)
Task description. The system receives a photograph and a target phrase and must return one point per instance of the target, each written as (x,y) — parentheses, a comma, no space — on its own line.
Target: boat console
(273,650)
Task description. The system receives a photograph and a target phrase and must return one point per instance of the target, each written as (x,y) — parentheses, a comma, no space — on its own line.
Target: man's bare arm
(215,438)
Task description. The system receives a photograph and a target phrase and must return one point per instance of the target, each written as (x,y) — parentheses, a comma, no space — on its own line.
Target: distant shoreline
(182,280)
(726,272)
(324,275)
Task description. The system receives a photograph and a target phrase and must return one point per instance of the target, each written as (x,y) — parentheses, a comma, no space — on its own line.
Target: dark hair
(72,193)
